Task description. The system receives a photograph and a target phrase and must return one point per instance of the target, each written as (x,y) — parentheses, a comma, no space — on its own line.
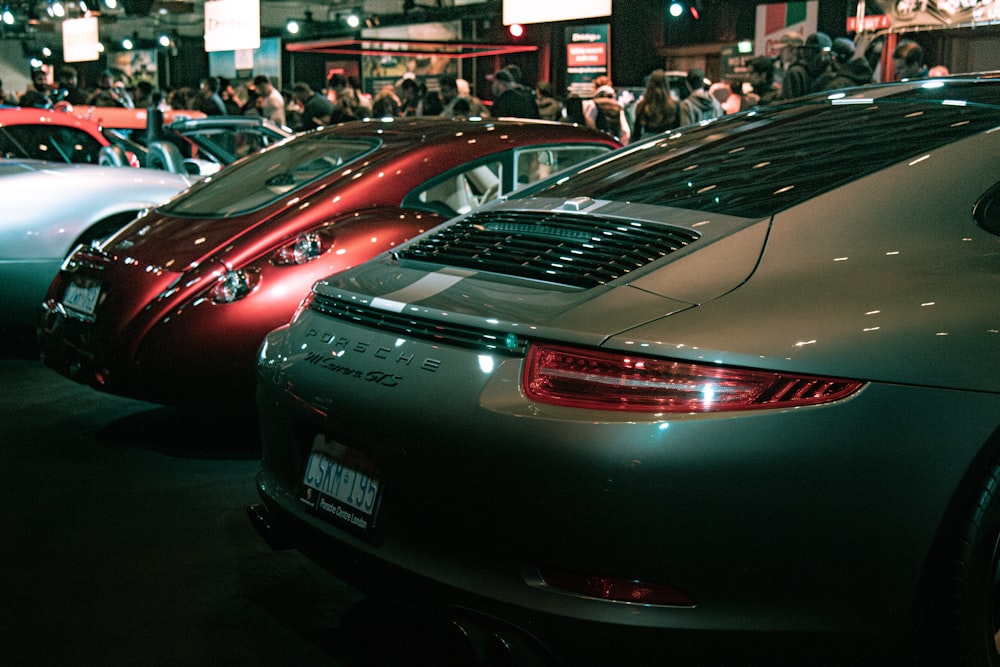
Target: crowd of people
(802,66)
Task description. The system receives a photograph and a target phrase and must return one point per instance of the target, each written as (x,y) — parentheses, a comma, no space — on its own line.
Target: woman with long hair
(657,110)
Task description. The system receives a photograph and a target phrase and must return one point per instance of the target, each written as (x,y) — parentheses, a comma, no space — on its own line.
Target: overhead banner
(912,14)
(232,25)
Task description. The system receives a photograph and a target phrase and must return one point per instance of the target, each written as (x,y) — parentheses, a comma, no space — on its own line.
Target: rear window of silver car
(269,176)
(754,165)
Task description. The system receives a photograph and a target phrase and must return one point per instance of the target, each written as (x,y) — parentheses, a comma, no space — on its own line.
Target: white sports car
(50,207)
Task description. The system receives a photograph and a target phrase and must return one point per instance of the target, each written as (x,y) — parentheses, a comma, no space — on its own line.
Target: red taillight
(602,380)
(619,590)
(306,247)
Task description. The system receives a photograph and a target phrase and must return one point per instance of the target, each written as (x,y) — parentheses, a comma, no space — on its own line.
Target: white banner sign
(232,25)
(80,40)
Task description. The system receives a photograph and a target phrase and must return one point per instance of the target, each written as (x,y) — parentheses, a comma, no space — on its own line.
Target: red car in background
(55,136)
(173,308)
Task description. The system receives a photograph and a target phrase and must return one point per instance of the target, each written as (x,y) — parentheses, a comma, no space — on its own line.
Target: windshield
(756,164)
(269,175)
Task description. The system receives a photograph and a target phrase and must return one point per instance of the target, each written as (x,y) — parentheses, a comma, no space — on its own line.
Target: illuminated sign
(232,25)
(533,11)
(80,40)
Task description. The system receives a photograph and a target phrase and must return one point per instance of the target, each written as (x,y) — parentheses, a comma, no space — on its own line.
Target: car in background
(51,207)
(44,134)
(197,146)
(727,396)
(172,308)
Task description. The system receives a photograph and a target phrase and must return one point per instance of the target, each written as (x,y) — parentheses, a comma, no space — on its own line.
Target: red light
(607,380)
(695,14)
(619,590)
(516,30)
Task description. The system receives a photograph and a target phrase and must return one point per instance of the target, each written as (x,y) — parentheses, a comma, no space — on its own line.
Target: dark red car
(173,308)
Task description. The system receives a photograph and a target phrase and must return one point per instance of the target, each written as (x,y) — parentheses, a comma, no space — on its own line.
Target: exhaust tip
(260,520)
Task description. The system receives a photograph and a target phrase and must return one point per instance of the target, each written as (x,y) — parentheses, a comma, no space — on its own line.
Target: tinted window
(534,164)
(49,142)
(269,176)
(756,164)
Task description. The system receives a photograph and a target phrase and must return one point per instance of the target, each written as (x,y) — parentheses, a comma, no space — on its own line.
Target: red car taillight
(602,380)
(306,247)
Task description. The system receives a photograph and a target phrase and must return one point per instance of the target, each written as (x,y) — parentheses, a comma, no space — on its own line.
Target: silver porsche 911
(731,389)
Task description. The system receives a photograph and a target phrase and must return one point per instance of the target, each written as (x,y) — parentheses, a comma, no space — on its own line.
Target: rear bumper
(470,629)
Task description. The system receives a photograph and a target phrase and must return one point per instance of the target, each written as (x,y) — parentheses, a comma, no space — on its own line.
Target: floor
(124,540)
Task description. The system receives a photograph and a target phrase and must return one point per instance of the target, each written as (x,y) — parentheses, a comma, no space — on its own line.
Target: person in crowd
(938,71)
(7,97)
(550,107)
(272,104)
(729,96)
(40,94)
(698,106)
(791,42)
(209,101)
(608,114)
(908,61)
(68,87)
(230,100)
(760,74)
(386,103)
(812,63)
(454,91)
(460,109)
(476,107)
(448,93)
(347,102)
(855,72)
(841,53)
(317,110)
(107,94)
(364,99)
(181,98)
(431,104)
(411,96)
(144,90)
(510,98)
(656,111)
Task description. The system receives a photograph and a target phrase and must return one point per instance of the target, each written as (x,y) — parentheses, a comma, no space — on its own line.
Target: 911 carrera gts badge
(333,365)
(335,347)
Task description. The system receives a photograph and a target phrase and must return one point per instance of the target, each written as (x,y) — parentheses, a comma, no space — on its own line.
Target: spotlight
(676,9)
(8,16)
(128,44)
(516,30)
(165,40)
(292,27)
(353,20)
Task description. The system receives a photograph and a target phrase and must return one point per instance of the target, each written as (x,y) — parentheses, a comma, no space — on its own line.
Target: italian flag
(776,18)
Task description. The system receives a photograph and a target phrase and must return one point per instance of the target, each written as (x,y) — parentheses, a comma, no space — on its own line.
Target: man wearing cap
(813,61)
(789,53)
(510,98)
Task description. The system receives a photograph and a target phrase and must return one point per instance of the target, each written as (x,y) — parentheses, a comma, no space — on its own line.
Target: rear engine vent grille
(574,250)
(417,327)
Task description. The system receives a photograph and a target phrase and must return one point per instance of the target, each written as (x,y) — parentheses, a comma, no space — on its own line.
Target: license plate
(342,485)
(82,299)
